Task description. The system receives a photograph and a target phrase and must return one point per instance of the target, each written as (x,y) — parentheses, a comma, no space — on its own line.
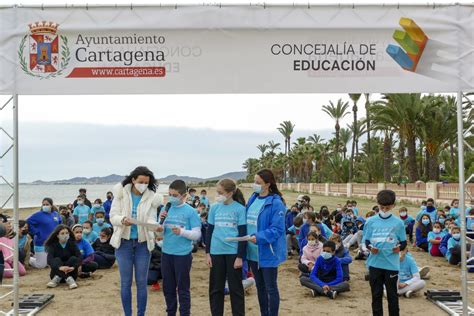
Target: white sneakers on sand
(56,280)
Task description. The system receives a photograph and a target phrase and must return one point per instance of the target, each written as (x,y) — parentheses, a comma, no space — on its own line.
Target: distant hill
(114,178)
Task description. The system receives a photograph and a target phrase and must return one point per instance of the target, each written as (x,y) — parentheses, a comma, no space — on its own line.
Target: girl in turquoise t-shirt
(227,218)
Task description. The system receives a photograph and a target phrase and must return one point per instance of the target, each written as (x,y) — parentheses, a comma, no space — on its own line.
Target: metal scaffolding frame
(14,186)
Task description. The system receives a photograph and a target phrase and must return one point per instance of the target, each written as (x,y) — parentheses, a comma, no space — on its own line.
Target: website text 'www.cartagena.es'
(117,72)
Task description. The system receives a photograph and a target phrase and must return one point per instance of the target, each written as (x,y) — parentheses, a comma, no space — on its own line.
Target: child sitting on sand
(64,257)
(87,233)
(311,252)
(453,255)
(104,253)
(88,265)
(409,279)
(422,230)
(343,255)
(6,244)
(293,234)
(326,277)
(408,221)
(434,239)
(100,222)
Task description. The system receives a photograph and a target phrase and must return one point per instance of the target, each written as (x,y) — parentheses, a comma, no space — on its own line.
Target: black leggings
(90,266)
(71,262)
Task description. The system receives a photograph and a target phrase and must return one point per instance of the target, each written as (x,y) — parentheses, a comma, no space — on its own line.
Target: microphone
(167,208)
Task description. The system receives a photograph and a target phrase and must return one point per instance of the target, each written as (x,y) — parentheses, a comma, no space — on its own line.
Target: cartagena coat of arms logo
(43,53)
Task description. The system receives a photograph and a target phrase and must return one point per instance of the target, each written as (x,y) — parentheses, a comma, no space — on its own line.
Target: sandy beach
(100,295)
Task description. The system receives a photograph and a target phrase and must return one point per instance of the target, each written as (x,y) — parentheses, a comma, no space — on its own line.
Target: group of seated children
(323,241)
(438,230)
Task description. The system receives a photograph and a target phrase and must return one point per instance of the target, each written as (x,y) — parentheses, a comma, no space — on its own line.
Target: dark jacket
(103,247)
(57,255)
(155,259)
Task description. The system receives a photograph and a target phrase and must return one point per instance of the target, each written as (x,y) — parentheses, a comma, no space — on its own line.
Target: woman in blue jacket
(267,247)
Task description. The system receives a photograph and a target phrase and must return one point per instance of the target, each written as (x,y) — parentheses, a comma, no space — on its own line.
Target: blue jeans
(130,254)
(175,271)
(267,289)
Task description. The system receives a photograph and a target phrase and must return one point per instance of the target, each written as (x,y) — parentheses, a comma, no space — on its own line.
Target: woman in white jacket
(135,198)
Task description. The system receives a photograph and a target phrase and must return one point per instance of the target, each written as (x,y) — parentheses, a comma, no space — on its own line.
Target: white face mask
(384,214)
(311,243)
(141,187)
(103,240)
(97,205)
(221,198)
(403,214)
(86,231)
(436,230)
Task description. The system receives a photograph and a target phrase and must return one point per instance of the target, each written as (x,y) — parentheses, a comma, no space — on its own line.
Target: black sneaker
(313,293)
(331,294)
(85,275)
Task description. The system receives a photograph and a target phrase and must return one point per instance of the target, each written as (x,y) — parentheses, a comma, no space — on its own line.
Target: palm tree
(336,112)
(272,146)
(367,121)
(354,97)
(401,112)
(263,148)
(345,136)
(286,129)
(315,139)
(437,124)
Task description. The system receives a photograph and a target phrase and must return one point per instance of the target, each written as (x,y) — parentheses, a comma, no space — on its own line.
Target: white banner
(236,49)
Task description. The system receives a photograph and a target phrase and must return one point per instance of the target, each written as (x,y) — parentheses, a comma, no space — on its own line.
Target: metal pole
(16,211)
(460,123)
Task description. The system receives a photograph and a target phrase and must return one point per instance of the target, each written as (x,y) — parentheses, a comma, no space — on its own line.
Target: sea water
(31,195)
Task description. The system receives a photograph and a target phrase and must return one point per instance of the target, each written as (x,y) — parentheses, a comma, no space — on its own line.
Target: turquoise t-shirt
(97,228)
(82,212)
(408,268)
(384,234)
(226,219)
(185,217)
(355,210)
(91,237)
(252,216)
(433,235)
(454,212)
(204,200)
(451,244)
(134,229)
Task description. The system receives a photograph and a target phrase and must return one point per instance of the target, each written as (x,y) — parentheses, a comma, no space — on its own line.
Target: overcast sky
(195,135)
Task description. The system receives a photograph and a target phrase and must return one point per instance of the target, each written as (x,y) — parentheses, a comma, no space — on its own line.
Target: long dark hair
(53,238)
(268,177)
(425,229)
(229,186)
(141,171)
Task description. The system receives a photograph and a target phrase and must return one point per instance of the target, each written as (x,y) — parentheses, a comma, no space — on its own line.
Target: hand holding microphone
(164,214)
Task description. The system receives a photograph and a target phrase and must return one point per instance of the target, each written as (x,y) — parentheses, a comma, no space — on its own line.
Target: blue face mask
(46,209)
(441,220)
(425,221)
(99,221)
(423,207)
(257,188)
(174,201)
(457,236)
(326,255)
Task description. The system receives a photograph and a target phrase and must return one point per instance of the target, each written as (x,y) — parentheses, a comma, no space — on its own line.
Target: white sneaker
(72,284)
(409,294)
(425,273)
(54,282)
(313,293)
(385,293)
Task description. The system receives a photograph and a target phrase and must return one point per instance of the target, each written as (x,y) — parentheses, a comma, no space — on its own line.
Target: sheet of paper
(243,238)
(153,226)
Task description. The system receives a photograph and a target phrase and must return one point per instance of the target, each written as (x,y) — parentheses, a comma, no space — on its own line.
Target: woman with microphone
(266,249)
(135,199)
